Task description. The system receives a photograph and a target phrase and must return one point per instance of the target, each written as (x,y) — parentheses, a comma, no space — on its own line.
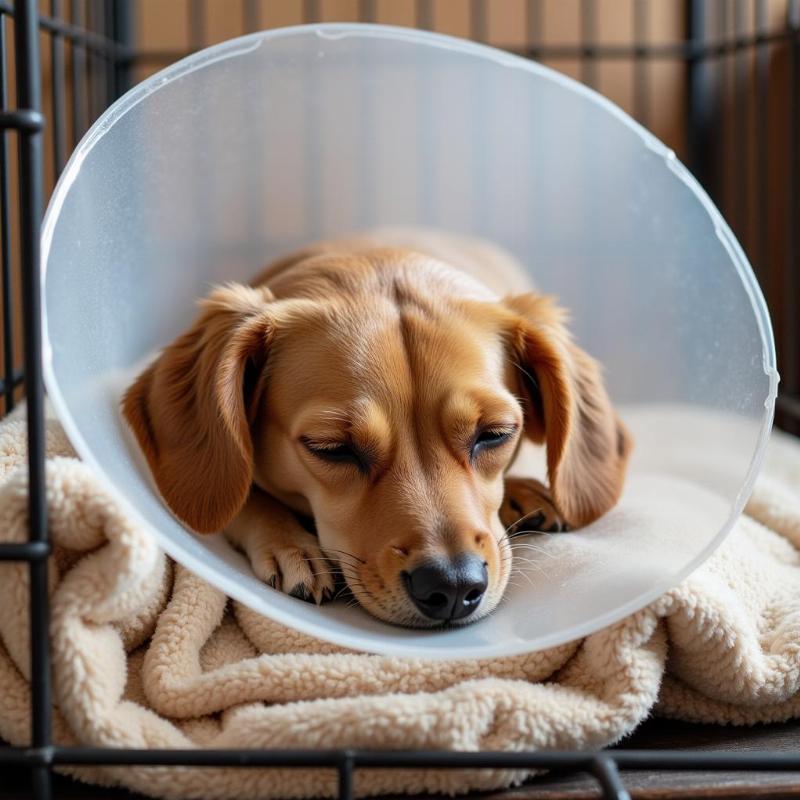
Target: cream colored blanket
(147,655)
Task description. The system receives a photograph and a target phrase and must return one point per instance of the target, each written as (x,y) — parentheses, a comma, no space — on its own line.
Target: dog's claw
(296,567)
(301,592)
(530,522)
(528,508)
(559,527)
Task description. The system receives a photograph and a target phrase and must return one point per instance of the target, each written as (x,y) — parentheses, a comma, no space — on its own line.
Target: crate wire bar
(97,39)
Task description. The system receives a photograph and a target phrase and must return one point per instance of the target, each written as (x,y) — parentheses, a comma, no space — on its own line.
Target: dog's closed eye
(338,453)
(490,437)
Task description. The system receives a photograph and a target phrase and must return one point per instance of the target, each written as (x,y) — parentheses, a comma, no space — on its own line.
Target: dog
(381,386)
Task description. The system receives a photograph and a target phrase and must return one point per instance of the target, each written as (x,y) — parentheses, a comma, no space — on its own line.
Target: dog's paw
(298,568)
(527,507)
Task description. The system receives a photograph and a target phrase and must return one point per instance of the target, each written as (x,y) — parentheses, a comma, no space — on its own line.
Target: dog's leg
(527,506)
(281,552)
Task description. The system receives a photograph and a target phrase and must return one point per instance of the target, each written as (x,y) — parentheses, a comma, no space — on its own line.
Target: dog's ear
(189,411)
(568,409)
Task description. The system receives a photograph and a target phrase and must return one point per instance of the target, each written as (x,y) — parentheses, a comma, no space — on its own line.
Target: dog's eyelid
(490,436)
(322,444)
(334,451)
(507,428)
(313,443)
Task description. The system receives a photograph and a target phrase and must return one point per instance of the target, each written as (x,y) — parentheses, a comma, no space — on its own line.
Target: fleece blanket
(147,655)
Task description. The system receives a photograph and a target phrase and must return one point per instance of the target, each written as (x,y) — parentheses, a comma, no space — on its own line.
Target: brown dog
(375,385)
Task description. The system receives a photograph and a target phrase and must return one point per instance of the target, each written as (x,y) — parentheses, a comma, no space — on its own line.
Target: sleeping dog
(381,386)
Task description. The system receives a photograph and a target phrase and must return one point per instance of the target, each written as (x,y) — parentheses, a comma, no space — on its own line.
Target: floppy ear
(188,410)
(568,408)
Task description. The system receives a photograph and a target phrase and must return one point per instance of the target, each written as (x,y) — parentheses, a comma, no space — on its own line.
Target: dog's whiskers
(519,569)
(523,560)
(334,572)
(335,567)
(517,522)
(341,553)
(526,576)
(526,546)
(525,372)
(527,532)
(532,548)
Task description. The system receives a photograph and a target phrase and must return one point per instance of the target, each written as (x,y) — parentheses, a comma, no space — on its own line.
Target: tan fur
(587,444)
(398,353)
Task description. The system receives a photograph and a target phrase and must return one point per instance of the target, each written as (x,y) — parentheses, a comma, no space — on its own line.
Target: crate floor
(643,784)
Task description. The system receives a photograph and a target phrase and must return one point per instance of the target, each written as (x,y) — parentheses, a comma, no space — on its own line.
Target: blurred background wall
(738,135)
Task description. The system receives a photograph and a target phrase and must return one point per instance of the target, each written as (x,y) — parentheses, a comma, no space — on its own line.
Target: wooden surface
(652,785)
(646,785)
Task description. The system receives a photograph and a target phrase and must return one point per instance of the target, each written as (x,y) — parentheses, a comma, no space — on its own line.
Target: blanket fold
(145,654)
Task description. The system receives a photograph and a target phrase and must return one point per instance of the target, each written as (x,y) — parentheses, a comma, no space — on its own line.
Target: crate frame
(103,57)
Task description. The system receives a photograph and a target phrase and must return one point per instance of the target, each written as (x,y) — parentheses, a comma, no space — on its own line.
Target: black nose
(445,589)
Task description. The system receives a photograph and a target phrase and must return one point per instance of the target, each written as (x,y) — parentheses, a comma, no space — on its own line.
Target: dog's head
(384,395)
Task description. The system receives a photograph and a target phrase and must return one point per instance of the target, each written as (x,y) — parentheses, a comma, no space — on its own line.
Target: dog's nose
(448,589)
